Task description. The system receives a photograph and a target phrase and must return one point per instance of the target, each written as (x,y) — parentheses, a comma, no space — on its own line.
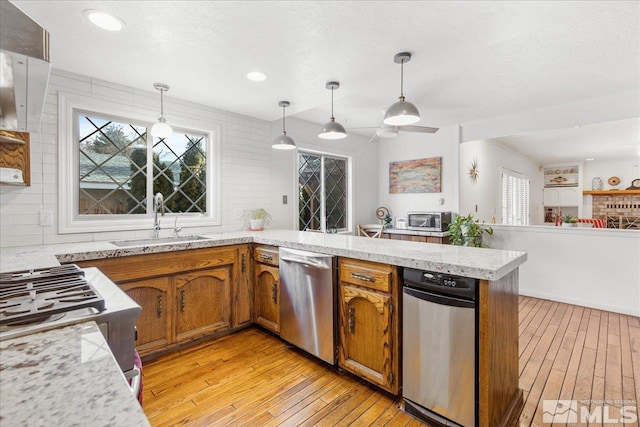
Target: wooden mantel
(609,192)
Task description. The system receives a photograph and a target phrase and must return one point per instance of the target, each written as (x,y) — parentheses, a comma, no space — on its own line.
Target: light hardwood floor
(253,378)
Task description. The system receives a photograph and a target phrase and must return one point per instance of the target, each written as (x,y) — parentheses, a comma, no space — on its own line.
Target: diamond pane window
(114,169)
(322,192)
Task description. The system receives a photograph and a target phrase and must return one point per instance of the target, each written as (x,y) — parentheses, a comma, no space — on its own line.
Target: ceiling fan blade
(365,127)
(374,138)
(412,128)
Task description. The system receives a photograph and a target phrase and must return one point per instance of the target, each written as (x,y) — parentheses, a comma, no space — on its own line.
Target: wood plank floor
(253,378)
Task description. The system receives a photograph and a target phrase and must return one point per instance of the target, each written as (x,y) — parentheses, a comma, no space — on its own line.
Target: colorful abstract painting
(415,176)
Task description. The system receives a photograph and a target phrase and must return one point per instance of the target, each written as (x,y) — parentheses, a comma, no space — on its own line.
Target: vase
(474,241)
(596,183)
(255,224)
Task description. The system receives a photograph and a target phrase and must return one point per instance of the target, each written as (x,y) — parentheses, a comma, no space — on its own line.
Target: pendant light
(161,129)
(284,141)
(401,113)
(332,129)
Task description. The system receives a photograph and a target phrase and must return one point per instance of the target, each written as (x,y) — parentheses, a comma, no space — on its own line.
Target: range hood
(24,69)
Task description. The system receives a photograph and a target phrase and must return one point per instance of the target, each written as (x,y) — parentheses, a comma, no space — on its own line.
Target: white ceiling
(471,60)
(602,141)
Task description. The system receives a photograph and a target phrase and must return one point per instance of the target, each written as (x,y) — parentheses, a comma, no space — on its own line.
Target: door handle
(274,292)
(159,306)
(352,320)
(364,277)
(182,303)
(314,264)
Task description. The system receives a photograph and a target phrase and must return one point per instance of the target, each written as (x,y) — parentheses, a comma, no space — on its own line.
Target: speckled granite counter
(64,377)
(490,264)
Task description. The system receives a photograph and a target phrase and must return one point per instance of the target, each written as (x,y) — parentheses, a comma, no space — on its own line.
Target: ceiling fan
(387,131)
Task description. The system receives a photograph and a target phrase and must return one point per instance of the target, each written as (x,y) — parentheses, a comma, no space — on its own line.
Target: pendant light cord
(402,78)
(283,129)
(162,103)
(332,103)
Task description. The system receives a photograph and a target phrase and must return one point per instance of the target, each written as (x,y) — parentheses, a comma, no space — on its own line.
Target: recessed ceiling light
(104,20)
(256,76)
(589,159)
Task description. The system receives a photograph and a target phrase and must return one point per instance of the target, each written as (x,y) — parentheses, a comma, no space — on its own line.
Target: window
(114,168)
(109,169)
(515,198)
(322,192)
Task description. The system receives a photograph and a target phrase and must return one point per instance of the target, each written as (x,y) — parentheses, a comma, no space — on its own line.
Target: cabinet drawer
(368,274)
(266,254)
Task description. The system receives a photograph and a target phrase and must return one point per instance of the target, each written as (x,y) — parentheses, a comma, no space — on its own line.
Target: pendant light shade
(332,129)
(284,141)
(161,129)
(401,113)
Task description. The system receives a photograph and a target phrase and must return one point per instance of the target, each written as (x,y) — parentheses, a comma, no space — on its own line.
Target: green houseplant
(258,218)
(467,231)
(569,221)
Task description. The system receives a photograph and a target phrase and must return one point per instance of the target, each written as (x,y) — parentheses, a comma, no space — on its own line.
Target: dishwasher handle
(439,299)
(305,262)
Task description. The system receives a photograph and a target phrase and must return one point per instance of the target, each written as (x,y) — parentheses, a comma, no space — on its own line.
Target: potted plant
(258,219)
(467,231)
(569,221)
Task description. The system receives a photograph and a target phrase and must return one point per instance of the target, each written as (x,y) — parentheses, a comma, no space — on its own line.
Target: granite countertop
(65,377)
(490,264)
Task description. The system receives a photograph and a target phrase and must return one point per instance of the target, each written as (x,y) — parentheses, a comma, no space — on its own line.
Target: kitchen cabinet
(267,287)
(416,238)
(185,295)
(563,196)
(368,325)
(15,158)
(202,302)
(154,329)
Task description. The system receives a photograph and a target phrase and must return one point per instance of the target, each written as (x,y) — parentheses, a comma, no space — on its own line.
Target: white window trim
(349,160)
(69,221)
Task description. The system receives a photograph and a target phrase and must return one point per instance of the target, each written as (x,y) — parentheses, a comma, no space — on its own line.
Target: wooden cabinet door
(569,196)
(202,302)
(154,329)
(242,294)
(551,197)
(365,335)
(267,297)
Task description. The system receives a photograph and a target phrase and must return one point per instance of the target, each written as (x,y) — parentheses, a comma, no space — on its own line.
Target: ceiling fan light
(283,142)
(332,130)
(161,129)
(402,113)
(387,132)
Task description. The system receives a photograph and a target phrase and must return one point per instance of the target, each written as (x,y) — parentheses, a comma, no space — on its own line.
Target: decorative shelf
(609,192)
(14,154)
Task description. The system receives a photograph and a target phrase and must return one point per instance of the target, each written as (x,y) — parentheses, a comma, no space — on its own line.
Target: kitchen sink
(158,241)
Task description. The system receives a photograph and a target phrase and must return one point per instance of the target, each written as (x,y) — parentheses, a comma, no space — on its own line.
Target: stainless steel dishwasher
(440,348)
(307,301)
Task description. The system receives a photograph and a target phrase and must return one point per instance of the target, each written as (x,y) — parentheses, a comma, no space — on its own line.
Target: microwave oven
(429,221)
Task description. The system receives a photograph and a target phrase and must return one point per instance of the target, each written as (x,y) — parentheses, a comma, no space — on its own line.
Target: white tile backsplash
(245,150)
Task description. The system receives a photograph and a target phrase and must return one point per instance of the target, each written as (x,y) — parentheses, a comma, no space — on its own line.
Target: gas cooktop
(40,295)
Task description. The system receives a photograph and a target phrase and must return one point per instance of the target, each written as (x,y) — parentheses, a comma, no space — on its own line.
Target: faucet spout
(158,206)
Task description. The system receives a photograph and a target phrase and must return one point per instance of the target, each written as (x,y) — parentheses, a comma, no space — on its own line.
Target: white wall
(486,194)
(625,169)
(411,146)
(245,149)
(364,156)
(589,267)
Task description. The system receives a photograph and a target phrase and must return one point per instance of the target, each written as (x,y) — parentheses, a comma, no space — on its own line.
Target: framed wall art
(415,176)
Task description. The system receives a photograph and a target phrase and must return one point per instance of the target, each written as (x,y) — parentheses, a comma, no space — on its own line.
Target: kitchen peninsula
(500,399)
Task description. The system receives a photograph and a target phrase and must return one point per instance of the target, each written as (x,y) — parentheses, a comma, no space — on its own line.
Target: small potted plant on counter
(467,231)
(569,221)
(258,219)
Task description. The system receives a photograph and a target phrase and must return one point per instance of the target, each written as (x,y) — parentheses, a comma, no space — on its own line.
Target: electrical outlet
(284,199)
(46,218)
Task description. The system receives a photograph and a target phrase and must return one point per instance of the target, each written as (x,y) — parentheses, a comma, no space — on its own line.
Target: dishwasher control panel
(441,283)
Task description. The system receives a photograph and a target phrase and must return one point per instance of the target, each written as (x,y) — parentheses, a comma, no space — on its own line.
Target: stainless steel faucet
(176,229)
(158,205)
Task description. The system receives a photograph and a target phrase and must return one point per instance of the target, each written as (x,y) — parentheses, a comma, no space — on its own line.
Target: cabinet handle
(159,306)
(243,263)
(266,256)
(364,277)
(352,320)
(182,300)
(274,292)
